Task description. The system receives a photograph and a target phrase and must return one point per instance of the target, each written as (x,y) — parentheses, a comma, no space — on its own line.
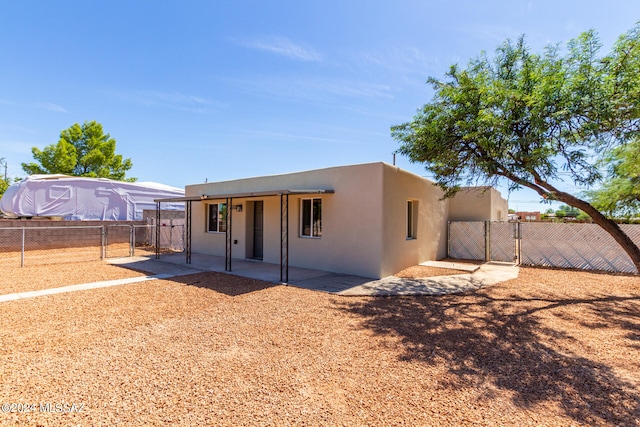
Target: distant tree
(620,193)
(4,180)
(567,211)
(82,150)
(533,119)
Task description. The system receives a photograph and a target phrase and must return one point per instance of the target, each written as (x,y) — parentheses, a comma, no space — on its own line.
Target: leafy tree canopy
(620,193)
(82,150)
(534,119)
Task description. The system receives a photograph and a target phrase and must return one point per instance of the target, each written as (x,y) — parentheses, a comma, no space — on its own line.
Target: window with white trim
(311,217)
(217,218)
(412,219)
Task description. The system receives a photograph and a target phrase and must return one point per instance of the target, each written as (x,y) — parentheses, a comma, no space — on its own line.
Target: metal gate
(483,240)
(118,241)
(503,241)
(171,234)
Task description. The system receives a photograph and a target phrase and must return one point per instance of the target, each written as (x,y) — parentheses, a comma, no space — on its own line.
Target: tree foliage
(534,119)
(4,183)
(620,193)
(82,150)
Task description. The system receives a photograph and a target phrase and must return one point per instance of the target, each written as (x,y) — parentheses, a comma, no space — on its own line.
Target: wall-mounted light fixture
(238,208)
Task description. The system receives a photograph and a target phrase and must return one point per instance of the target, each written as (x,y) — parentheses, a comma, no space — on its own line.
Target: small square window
(217,218)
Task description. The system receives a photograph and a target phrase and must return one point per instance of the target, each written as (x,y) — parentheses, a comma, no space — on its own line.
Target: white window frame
(220,224)
(315,231)
(412,220)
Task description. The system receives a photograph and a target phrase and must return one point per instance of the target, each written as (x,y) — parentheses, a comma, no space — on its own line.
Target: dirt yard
(549,348)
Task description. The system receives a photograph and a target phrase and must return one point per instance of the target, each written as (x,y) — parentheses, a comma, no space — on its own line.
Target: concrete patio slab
(485,275)
(174,265)
(452,265)
(340,284)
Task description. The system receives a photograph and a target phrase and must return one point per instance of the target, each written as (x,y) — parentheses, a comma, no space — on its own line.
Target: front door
(258,216)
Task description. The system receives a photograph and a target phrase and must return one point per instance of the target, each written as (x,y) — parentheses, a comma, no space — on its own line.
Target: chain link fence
(566,245)
(466,240)
(41,245)
(50,245)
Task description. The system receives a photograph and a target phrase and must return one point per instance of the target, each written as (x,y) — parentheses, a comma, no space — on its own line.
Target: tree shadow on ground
(503,341)
(227,284)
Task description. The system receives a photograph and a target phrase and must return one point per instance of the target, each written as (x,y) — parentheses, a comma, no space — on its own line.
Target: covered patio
(283,195)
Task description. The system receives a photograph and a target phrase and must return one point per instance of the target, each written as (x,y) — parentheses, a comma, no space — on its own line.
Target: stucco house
(370,220)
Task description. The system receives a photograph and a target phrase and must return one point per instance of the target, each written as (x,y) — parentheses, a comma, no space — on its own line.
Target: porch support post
(284,238)
(157,230)
(227,252)
(188,231)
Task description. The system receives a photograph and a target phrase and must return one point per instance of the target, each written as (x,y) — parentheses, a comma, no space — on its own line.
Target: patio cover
(284,221)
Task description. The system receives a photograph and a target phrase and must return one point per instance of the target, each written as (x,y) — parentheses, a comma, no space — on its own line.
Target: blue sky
(216,90)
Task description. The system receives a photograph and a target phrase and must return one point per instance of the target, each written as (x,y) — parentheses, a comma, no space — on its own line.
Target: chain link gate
(118,240)
(170,234)
(503,241)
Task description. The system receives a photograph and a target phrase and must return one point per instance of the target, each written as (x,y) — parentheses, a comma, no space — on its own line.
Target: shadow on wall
(481,338)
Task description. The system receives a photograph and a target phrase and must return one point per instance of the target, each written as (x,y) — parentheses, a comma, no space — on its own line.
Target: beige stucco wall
(478,204)
(364,223)
(351,220)
(430,243)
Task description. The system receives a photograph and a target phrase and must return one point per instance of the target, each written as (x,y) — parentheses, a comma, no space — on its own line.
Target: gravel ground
(550,348)
(38,277)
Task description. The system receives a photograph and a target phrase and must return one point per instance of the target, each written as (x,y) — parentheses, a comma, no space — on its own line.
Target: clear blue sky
(194,90)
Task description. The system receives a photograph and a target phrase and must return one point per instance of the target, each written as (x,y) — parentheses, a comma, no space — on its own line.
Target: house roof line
(280,192)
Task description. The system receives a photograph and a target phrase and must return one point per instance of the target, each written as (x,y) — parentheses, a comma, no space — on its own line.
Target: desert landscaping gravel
(551,348)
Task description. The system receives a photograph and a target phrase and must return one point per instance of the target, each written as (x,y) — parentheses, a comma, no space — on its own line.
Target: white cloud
(173,100)
(39,105)
(284,47)
(50,107)
(400,60)
(299,137)
(315,89)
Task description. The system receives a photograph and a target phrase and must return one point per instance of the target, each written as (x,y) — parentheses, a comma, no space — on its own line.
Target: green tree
(82,150)
(4,180)
(620,193)
(534,119)
(564,211)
